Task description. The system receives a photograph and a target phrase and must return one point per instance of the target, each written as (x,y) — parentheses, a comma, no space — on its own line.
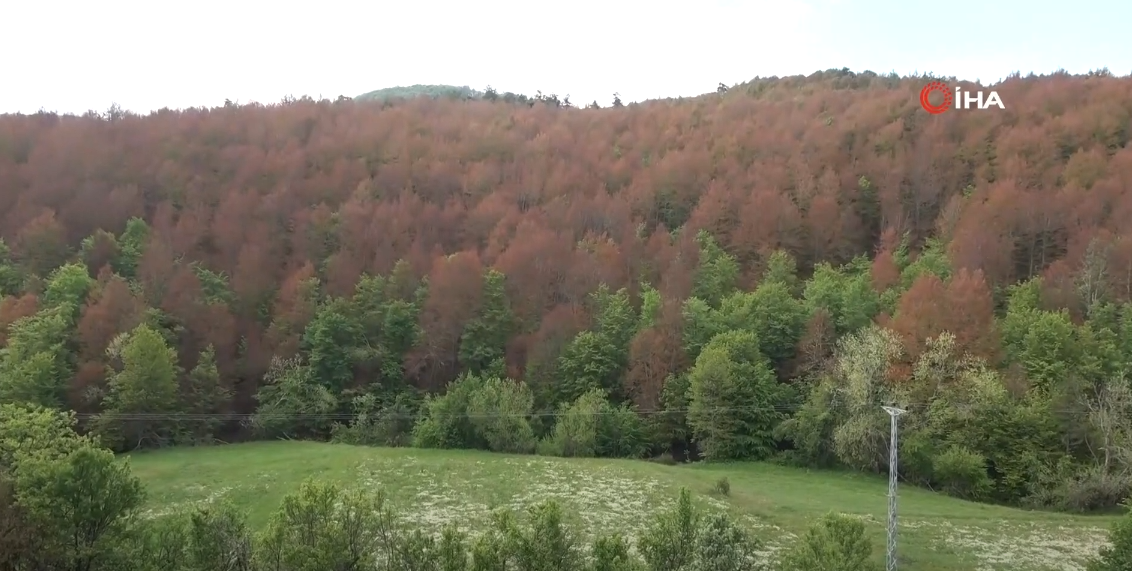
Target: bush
(722,487)
(834,543)
(445,422)
(621,432)
(378,424)
(1072,487)
(722,546)
(1118,555)
(962,473)
(499,411)
(591,426)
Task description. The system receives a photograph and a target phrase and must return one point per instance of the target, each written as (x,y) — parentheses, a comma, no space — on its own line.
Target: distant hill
(411,91)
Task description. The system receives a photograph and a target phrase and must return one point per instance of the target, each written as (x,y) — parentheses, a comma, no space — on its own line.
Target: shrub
(836,542)
(962,473)
(722,487)
(1118,555)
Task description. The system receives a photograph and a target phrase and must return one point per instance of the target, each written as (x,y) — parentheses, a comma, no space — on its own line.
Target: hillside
(411,91)
(439,487)
(746,275)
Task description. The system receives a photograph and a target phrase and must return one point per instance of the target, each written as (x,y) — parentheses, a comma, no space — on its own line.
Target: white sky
(71,56)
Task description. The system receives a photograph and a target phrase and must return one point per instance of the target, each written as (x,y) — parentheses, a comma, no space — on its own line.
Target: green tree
(131,245)
(592,426)
(68,285)
(545,543)
(846,293)
(146,384)
(611,553)
(388,311)
(82,506)
(734,399)
(37,363)
(205,396)
(576,430)
(445,423)
(34,431)
(717,274)
(589,362)
(330,341)
(723,546)
(292,403)
(485,336)
(596,359)
(500,409)
(11,278)
(771,314)
(932,259)
(651,303)
(782,268)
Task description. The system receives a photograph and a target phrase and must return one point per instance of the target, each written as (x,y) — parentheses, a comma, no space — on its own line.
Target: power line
(397,416)
(344,416)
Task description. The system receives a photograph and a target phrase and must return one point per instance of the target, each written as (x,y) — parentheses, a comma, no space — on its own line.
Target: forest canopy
(746,274)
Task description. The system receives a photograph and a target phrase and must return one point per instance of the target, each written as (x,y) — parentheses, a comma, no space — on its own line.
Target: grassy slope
(432,486)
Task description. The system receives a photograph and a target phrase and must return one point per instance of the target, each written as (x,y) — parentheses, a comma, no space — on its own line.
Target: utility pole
(890,559)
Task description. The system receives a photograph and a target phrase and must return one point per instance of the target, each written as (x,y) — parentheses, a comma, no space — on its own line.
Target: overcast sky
(71,56)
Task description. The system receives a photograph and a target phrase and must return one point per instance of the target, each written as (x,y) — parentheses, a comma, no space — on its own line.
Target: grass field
(432,487)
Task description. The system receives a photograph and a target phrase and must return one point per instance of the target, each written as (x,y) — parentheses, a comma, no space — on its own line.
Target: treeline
(746,275)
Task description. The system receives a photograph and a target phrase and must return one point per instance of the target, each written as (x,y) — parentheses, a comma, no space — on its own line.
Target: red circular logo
(948,99)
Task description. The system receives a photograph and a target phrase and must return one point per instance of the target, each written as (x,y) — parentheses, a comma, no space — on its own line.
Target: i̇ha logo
(961,99)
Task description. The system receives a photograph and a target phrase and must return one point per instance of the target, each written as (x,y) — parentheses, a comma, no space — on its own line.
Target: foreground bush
(834,543)
(1117,556)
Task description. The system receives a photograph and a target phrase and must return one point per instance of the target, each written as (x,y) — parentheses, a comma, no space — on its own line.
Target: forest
(748,275)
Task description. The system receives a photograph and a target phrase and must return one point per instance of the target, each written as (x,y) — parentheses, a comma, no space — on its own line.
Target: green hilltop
(411,91)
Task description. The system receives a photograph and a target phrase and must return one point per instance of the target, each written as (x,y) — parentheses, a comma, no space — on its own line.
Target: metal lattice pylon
(890,555)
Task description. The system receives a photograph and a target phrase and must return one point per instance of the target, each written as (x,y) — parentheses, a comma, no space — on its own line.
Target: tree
(143,398)
(292,402)
(29,431)
(205,397)
(329,340)
(41,245)
(717,274)
(963,306)
(11,278)
(82,505)
(498,409)
(485,336)
(37,362)
(733,399)
(67,285)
